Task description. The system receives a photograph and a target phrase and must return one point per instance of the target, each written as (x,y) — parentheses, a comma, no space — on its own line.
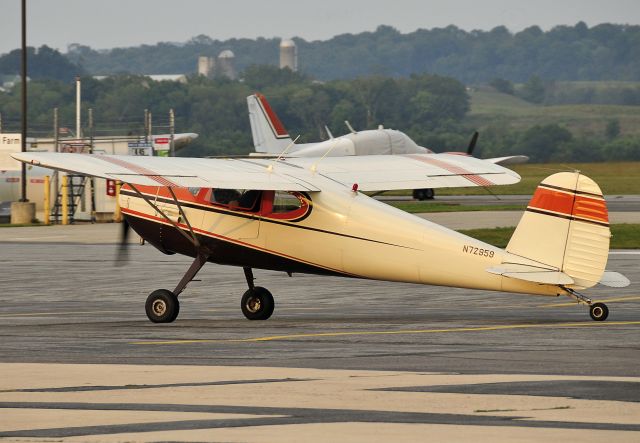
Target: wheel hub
(598,311)
(159,307)
(254,304)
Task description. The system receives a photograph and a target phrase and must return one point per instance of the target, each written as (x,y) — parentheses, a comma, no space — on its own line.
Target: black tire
(162,306)
(257,304)
(429,193)
(423,194)
(599,311)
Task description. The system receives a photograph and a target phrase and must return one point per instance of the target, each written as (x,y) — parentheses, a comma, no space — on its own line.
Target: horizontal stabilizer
(614,280)
(534,274)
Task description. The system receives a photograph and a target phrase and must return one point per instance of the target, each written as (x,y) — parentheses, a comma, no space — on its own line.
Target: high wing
(370,173)
(171,171)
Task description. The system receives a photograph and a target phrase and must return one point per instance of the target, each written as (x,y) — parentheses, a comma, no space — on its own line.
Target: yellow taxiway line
(396,332)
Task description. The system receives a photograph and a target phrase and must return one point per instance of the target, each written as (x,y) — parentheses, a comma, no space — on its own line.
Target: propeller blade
(123,247)
(472,143)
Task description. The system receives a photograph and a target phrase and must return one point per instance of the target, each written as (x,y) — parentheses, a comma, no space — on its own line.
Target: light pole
(23,180)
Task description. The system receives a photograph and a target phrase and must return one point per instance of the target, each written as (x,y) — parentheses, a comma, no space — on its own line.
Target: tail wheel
(162,306)
(599,311)
(257,304)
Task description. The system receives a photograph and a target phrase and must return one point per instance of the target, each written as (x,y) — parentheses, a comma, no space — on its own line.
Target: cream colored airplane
(308,215)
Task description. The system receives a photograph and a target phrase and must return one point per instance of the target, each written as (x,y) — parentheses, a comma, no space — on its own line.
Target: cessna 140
(270,137)
(308,215)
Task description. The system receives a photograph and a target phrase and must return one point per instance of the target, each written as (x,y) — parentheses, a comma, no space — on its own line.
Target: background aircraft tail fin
(269,134)
(566,226)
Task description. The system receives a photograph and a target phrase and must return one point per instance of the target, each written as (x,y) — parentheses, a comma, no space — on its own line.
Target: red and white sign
(111,188)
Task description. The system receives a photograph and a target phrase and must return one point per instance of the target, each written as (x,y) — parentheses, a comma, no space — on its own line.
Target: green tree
(502,85)
(541,142)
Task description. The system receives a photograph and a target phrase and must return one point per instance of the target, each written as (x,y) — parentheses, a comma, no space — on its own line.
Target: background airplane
(271,137)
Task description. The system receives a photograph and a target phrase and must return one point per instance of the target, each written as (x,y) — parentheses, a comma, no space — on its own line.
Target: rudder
(269,134)
(566,225)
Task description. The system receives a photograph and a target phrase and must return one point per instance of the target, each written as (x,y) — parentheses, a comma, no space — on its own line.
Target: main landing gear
(423,194)
(162,305)
(597,311)
(257,302)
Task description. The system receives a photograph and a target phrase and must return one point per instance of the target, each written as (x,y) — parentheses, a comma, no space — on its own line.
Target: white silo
(226,61)
(288,55)
(206,65)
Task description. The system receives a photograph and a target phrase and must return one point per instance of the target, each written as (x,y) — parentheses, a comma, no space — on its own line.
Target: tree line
(602,52)
(431,109)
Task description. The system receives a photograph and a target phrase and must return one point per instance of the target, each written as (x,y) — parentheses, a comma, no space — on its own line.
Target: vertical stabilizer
(566,225)
(269,134)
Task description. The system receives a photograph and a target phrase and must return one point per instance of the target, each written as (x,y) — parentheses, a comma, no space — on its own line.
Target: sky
(105,24)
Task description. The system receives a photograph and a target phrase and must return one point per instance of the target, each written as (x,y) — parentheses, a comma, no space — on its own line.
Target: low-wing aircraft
(308,215)
(271,138)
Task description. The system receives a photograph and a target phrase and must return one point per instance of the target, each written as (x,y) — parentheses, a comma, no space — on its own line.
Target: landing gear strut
(162,305)
(257,302)
(597,311)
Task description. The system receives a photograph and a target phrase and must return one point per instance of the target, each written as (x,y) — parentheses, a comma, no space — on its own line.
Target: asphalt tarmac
(339,359)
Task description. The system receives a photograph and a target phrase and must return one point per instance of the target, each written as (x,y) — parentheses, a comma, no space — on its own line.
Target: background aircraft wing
(410,171)
(171,171)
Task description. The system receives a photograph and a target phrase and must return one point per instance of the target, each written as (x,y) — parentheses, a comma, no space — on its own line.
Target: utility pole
(149,127)
(23,177)
(90,130)
(78,121)
(146,125)
(92,180)
(172,131)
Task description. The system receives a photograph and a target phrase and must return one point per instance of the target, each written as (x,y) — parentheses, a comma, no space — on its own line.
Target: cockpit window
(285,202)
(237,199)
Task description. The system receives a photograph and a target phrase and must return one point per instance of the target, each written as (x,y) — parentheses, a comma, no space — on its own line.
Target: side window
(237,199)
(285,202)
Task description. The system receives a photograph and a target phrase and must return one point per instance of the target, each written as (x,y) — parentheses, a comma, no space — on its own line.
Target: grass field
(491,107)
(614,178)
(415,207)
(624,236)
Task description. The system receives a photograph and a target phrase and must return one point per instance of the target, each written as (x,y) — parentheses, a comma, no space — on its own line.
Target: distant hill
(602,52)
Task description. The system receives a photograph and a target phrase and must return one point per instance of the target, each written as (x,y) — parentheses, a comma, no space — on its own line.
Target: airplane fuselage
(335,232)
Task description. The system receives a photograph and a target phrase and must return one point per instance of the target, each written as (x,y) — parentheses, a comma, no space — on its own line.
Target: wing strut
(186,220)
(192,238)
(202,252)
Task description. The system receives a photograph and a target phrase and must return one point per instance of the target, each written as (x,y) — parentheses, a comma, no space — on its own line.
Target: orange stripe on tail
(569,204)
